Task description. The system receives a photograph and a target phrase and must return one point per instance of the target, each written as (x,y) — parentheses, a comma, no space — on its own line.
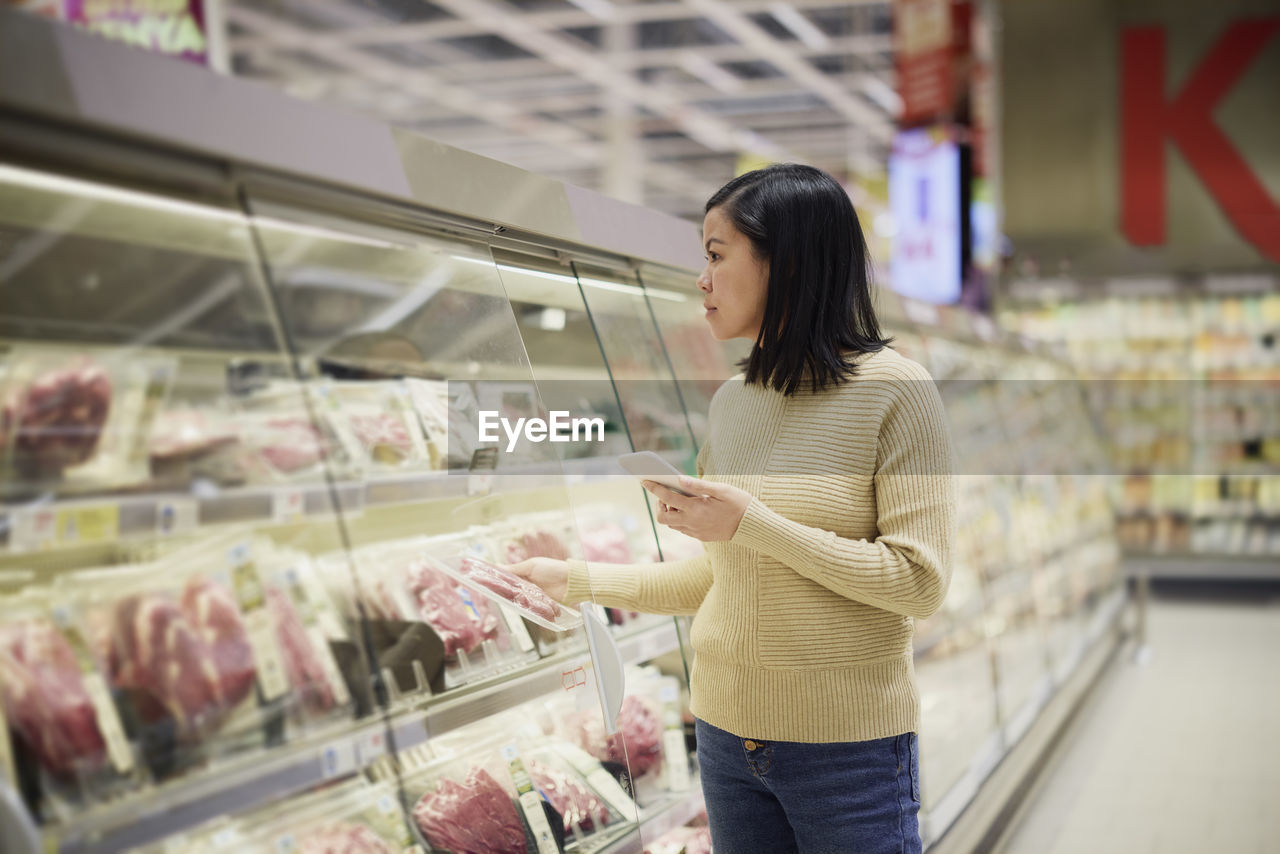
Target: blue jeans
(773,797)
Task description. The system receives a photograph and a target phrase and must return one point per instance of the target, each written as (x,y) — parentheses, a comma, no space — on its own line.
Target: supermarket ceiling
(654,101)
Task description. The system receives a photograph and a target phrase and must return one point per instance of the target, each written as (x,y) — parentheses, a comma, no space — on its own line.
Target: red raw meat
(302,661)
(193,662)
(577,804)
(290,444)
(159,655)
(477,817)
(342,837)
(57,419)
(637,741)
(510,587)
(214,613)
(45,698)
(442,605)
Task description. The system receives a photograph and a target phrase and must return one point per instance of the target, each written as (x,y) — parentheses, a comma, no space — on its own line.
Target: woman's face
(734,283)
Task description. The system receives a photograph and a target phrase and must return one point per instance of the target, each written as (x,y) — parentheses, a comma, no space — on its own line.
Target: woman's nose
(704,283)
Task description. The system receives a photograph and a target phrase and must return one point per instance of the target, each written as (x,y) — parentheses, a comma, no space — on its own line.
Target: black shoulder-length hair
(818,314)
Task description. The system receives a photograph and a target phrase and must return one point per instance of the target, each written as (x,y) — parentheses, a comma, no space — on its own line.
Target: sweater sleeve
(676,588)
(906,569)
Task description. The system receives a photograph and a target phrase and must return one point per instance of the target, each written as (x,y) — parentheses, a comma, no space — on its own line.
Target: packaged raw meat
(579,806)
(377,421)
(305,621)
(462,620)
(447,412)
(342,837)
(637,743)
(498,583)
(289,434)
(189,432)
(54,413)
(46,701)
(357,817)
(79,419)
(400,581)
(477,816)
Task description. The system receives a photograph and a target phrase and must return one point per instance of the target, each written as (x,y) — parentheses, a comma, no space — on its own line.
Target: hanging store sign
(924,195)
(173,27)
(1153,113)
(1150,146)
(930,49)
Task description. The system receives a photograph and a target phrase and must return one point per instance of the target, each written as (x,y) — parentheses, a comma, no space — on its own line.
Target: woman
(826,507)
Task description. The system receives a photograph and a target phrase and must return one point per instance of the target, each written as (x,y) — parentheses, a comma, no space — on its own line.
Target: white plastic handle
(18,833)
(606,660)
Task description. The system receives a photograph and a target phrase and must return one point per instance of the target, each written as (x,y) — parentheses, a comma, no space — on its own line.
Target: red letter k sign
(1148,118)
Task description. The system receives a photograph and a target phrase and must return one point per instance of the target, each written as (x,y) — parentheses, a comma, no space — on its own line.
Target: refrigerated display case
(250,540)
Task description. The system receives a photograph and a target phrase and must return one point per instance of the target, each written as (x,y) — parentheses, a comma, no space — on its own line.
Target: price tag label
(177,516)
(679,777)
(32,530)
(6,752)
(252,597)
(90,524)
(338,760)
(370,746)
(108,716)
(288,505)
(530,802)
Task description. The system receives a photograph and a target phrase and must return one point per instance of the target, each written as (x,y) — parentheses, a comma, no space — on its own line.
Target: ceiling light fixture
(800,26)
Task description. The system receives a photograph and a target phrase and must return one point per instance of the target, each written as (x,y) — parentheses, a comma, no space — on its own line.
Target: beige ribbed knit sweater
(804,618)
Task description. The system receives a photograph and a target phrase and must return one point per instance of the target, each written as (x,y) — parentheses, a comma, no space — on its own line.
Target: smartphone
(646,465)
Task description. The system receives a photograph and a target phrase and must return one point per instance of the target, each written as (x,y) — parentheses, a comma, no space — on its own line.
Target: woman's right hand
(548,573)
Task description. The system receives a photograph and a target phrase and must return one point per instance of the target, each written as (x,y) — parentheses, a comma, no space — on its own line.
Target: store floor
(1177,756)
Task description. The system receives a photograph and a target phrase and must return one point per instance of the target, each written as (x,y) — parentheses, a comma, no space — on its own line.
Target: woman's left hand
(711,514)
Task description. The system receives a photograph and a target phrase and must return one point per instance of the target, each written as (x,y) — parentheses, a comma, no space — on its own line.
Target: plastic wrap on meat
(463,622)
(213,612)
(606,544)
(476,817)
(45,699)
(570,796)
(383,436)
(290,444)
(509,587)
(190,661)
(187,433)
(637,741)
(343,838)
(302,661)
(56,420)
(160,656)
